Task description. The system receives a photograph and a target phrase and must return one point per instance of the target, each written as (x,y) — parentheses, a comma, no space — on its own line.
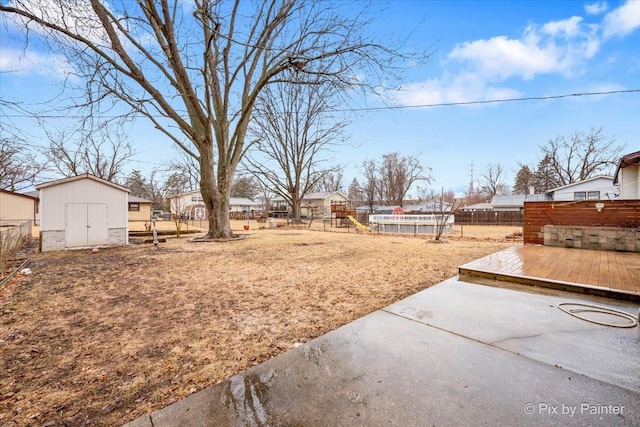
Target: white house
(429,206)
(478,207)
(192,205)
(627,176)
(596,188)
(82,211)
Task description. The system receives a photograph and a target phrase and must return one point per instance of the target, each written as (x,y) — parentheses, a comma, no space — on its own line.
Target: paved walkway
(454,354)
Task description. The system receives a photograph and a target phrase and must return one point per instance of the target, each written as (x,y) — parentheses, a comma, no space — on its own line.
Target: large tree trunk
(215,195)
(295,210)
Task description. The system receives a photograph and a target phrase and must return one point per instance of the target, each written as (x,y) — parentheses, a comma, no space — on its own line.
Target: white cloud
(622,21)
(78,17)
(478,70)
(596,8)
(26,62)
(557,47)
(463,88)
(567,27)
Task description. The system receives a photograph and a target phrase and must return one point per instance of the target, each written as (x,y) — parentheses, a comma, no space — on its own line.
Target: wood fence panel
(488,217)
(615,213)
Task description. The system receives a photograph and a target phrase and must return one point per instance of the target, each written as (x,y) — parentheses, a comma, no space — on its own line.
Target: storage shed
(18,207)
(82,211)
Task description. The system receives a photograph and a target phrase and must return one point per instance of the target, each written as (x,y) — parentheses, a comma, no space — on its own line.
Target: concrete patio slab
(454,354)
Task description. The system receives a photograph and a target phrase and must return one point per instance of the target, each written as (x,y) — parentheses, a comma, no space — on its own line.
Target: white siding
(603,185)
(54,199)
(83,212)
(16,208)
(629,182)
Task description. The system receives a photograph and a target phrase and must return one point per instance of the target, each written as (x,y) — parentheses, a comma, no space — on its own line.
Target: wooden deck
(604,273)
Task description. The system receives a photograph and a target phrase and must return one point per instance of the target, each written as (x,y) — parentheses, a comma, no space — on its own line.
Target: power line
(403,107)
(494,101)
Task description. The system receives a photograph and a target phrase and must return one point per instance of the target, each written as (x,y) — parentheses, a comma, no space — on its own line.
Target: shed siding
(13,207)
(629,182)
(71,207)
(56,197)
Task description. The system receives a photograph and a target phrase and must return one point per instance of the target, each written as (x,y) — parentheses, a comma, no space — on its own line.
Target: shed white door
(86,224)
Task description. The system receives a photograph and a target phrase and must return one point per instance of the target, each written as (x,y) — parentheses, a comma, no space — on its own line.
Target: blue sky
(483,50)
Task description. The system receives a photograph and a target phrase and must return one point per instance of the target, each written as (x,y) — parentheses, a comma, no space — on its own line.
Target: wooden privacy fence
(613,213)
(488,217)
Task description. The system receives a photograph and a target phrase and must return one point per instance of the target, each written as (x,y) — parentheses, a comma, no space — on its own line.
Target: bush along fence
(13,236)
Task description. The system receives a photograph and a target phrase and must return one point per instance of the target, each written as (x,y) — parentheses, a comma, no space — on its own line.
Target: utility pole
(471,184)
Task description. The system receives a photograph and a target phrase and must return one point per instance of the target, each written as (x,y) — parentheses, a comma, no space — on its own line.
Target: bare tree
(448,208)
(331,181)
(188,167)
(196,73)
(398,173)
(98,152)
(371,186)
(581,156)
(493,180)
(293,130)
(19,167)
(245,186)
(355,193)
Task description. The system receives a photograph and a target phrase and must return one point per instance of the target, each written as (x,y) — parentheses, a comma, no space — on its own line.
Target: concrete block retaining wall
(599,238)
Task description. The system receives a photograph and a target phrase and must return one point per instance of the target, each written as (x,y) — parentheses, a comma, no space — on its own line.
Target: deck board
(584,270)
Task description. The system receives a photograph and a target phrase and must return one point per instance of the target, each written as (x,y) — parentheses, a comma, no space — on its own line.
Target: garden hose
(589,308)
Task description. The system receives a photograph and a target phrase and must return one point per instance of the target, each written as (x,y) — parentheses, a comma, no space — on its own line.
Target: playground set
(342,216)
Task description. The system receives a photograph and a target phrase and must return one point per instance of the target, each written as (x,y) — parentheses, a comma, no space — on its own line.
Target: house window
(593,195)
(134,207)
(580,195)
(197,199)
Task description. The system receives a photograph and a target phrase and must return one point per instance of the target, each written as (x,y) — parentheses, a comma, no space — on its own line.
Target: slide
(357,224)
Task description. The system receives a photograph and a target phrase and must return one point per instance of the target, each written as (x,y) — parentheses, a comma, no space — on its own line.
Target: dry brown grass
(107,337)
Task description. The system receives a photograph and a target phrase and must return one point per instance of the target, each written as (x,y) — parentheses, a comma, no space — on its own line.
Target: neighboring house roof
(236,201)
(27,196)
(136,199)
(386,209)
(80,177)
(478,207)
(243,201)
(626,160)
(516,200)
(580,182)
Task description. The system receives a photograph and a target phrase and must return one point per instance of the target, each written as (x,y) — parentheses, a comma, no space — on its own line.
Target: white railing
(411,224)
(411,219)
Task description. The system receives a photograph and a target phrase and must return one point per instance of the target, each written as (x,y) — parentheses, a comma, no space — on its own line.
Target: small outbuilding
(17,207)
(82,211)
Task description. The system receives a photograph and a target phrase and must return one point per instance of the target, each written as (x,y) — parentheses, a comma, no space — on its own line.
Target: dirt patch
(104,338)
